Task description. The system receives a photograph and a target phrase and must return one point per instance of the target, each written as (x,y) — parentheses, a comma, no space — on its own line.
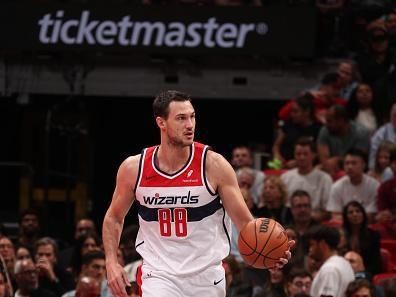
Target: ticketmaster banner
(270,31)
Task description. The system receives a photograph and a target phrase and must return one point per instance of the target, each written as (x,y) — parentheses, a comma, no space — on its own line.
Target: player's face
(180,125)
(314,250)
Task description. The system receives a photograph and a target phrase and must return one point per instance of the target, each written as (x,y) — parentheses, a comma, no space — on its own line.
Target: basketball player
(183,191)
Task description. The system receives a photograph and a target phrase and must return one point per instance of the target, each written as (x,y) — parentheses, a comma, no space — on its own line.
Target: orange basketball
(262,242)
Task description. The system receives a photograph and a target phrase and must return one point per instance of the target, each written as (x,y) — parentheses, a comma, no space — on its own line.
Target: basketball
(262,242)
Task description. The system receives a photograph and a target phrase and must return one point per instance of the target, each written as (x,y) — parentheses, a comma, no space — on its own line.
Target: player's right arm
(113,222)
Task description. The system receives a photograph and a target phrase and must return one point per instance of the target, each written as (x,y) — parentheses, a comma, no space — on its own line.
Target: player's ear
(160,122)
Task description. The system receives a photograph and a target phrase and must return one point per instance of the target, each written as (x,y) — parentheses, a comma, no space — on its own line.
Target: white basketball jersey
(183,225)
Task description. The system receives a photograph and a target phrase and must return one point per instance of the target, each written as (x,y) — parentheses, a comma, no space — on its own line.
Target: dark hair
(163,99)
(346,224)
(330,235)
(29,211)
(356,285)
(91,256)
(340,112)
(356,152)
(299,193)
(330,78)
(297,272)
(76,259)
(306,141)
(305,102)
(353,105)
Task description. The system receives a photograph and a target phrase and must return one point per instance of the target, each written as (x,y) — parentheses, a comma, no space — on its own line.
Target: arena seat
(378,279)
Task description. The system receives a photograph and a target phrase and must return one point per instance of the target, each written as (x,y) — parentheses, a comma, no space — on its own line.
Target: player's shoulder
(130,164)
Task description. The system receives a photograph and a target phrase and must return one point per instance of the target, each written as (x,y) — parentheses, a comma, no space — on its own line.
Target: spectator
(387,132)
(83,226)
(360,107)
(85,243)
(382,170)
(6,289)
(390,287)
(242,156)
(29,228)
(386,216)
(51,277)
(93,265)
(23,253)
(274,195)
(26,276)
(356,185)
(276,286)
(235,286)
(360,287)
(335,273)
(338,136)
(7,252)
(308,178)
(347,70)
(360,238)
(325,95)
(357,263)
(299,281)
(376,61)
(301,124)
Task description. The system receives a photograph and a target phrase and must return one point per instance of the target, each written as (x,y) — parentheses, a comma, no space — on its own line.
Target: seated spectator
(360,287)
(29,228)
(298,282)
(357,263)
(23,253)
(382,170)
(376,60)
(390,287)
(83,226)
(242,156)
(386,132)
(356,185)
(325,96)
(26,276)
(360,238)
(7,253)
(276,286)
(85,243)
(308,178)
(338,136)
(347,70)
(93,265)
(274,195)
(360,107)
(51,277)
(386,216)
(235,286)
(5,286)
(300,124)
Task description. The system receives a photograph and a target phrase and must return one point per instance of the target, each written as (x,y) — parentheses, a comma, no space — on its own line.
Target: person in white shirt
(335,273)
(306,177)
(355,185)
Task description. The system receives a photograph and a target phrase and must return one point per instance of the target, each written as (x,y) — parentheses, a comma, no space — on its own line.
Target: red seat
(386,259)
(390,245)
(379,279)
(276,172)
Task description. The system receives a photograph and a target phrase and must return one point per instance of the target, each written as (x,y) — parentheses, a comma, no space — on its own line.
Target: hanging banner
(267,31)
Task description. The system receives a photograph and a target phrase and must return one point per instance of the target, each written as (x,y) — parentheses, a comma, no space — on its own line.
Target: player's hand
(117,279)
(283,261)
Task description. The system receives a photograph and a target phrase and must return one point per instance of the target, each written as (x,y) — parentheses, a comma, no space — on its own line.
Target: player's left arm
(222,177)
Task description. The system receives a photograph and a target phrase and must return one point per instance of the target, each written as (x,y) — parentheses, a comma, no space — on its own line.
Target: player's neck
(172,158)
